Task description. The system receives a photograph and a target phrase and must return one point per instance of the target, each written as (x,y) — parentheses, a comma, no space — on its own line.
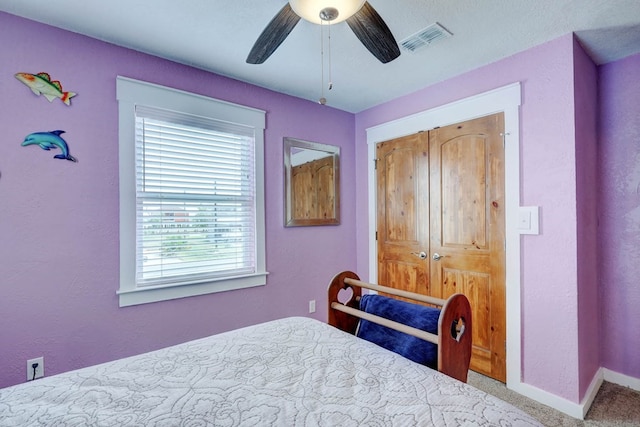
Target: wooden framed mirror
(311,183)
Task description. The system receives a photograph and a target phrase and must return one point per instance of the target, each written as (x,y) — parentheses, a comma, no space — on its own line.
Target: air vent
(425,37)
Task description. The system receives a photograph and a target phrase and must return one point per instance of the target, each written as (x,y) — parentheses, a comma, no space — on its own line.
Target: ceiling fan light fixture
(364,21)
(311,10)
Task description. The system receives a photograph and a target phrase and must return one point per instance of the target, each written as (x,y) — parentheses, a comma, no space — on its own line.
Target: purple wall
(619,215)
(59,264)
(586,108)
(548,179)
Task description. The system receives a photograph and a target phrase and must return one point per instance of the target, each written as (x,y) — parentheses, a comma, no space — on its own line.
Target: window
(191,194)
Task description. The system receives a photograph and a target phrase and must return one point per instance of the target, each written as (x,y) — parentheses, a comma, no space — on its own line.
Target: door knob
(436,257)
(421,255)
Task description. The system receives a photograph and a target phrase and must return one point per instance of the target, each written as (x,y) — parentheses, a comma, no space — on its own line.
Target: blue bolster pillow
(418,316)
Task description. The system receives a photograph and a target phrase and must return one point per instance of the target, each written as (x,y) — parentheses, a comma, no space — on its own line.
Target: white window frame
(132,92)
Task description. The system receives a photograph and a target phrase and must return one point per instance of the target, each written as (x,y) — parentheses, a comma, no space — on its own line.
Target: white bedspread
(289,372)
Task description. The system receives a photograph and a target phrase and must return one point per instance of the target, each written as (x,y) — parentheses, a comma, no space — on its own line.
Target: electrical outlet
(312,306)
(38,371)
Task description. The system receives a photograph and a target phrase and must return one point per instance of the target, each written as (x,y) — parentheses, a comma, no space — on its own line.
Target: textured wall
(548,179)
(619,215)
(586,107)
(59,220)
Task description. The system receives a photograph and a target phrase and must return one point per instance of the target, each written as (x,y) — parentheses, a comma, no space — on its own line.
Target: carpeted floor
(614,405)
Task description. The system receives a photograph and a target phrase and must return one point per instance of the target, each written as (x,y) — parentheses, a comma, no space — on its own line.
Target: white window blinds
(195,198)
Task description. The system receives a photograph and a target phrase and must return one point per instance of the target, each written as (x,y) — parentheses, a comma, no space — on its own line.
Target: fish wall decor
(41,84)
(48,141)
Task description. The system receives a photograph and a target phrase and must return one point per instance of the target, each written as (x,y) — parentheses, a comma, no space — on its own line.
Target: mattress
(290,372)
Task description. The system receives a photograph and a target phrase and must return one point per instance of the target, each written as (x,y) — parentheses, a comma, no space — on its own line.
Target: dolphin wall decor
(48,141)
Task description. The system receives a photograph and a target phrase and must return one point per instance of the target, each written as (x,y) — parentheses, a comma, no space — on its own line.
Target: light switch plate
(529,220)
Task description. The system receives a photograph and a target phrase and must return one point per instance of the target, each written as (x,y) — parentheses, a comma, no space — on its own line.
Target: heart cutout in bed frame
(345,295)
(458,328)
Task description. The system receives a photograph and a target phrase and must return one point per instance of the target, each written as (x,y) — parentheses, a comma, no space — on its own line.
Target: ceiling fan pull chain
(329,54)
(322,100)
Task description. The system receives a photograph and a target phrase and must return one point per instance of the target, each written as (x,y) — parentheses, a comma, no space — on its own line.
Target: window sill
(136,296)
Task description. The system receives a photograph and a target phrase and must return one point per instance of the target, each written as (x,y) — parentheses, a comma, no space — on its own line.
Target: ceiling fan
(362,18)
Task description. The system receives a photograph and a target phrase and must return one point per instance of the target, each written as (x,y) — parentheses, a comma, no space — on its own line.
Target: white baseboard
(577,410)
(621,379)
(558,403)
(593,389)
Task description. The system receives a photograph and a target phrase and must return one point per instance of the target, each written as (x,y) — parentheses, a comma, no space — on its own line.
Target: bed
(294,371)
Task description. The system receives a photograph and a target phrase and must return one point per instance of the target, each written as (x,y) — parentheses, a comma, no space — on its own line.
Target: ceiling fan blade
(374,34)
(273,35)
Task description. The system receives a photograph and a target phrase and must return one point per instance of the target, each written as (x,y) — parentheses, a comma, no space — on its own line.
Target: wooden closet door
(467,230)
(441,194)
(402,173)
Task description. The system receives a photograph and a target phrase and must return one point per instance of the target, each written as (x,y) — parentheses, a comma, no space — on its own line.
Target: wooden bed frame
(454,324)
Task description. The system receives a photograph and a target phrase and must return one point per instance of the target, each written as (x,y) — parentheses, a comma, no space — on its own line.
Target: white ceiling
(217,35)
